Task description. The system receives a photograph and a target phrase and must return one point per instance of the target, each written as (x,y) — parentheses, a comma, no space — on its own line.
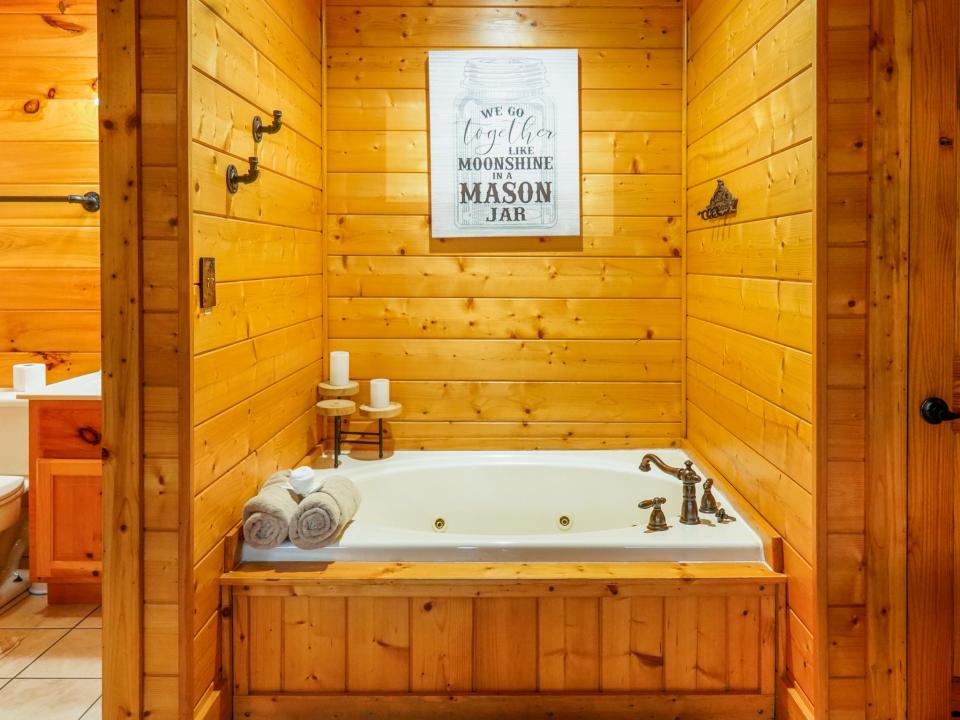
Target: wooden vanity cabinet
(66,538)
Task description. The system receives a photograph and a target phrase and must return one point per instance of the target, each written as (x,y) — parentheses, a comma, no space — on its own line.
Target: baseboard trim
(533,706)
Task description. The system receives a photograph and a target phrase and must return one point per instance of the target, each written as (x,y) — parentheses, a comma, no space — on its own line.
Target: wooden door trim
(186,304)
(931,348)
(887,407)
(121,305)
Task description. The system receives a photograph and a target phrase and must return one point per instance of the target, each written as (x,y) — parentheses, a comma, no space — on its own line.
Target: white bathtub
(506,506)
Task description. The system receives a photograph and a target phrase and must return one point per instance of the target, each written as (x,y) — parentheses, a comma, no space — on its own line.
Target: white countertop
(8,398)
(83,387)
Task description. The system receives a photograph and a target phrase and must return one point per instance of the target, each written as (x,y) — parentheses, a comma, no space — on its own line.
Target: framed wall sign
(504,143)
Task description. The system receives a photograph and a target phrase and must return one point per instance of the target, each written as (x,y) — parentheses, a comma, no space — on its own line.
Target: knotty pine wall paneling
(123,435)
(847,154)
(258,356)
(165,356)
(49,253)
(883,211)
(510,342)
(145,380)
(750,304)
(750,281)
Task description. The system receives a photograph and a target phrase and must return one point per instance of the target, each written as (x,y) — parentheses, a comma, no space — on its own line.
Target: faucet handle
(723,517)
(708,503)
(658,520)
(687,474)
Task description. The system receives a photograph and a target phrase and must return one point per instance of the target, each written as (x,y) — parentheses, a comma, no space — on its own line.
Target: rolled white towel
(324,513)
(268,514)
(304,480)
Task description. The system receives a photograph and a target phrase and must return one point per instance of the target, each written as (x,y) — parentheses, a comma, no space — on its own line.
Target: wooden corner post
(118,52)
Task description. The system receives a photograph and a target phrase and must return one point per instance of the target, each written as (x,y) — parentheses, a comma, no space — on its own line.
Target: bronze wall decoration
(722,203)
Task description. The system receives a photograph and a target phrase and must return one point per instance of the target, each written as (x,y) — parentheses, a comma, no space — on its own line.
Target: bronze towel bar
(89,201)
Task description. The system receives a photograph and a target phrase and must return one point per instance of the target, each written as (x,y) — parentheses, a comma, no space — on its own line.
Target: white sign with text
(504,143)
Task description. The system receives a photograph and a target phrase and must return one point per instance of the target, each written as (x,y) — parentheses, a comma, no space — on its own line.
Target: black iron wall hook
(235,179)
(259,128)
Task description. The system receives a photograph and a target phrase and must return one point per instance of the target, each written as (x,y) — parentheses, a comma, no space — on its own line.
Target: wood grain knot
(64,25)
(648,660)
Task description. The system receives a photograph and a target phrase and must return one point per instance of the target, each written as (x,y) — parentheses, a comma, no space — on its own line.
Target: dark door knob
(935,411)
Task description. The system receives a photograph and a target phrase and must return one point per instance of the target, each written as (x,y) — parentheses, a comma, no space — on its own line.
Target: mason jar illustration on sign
(506,145)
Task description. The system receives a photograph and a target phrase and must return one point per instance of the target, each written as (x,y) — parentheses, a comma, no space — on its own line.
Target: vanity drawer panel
(66,429)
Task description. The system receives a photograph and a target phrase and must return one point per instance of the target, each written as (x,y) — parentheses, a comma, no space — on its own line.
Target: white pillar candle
(339,368)
(380,393)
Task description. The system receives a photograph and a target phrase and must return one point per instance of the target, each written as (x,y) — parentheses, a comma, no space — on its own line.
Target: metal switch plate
(208,282)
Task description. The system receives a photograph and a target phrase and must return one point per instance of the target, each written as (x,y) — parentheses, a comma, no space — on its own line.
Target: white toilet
(14,468)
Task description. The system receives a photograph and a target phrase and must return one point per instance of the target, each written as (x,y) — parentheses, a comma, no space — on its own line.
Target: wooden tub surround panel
(528,640)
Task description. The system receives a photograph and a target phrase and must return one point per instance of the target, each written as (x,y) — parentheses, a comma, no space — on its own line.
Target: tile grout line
(72,627)
(89,614)
(22,601)
(80,717)
(64,632)
(59,640)
(87,617)
(19,675)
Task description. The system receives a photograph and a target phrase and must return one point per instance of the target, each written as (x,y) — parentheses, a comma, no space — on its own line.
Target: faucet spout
(649,458)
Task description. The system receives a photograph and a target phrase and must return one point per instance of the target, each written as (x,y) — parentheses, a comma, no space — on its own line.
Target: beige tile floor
(49,661)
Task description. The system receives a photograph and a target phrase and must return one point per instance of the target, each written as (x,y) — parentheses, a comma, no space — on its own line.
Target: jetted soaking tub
(509,584)
(522,506)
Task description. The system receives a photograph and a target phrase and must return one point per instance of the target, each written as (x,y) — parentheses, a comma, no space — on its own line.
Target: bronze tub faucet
(688,476)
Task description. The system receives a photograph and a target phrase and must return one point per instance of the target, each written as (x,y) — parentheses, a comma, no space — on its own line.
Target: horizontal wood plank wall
(521,342)
(751,115)
(49,253)
(847,156)
(258,354)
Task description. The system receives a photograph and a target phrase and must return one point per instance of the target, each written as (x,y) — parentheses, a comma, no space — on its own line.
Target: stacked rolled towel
(324,511)
(268,514)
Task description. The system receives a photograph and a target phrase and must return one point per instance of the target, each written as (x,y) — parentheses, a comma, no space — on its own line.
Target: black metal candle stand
(336,405)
